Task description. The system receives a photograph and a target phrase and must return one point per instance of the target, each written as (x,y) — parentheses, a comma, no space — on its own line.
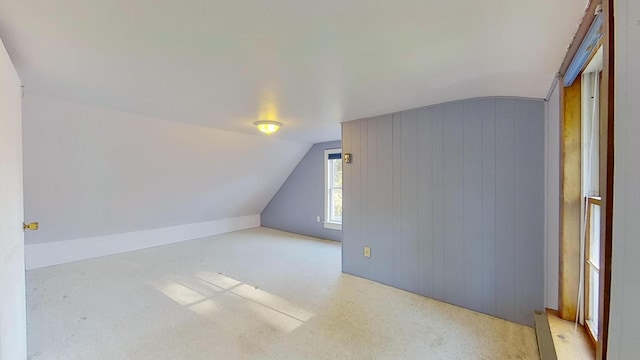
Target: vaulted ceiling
(308,64)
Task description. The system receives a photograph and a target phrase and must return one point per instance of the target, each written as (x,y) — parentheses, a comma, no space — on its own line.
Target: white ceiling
(308,64)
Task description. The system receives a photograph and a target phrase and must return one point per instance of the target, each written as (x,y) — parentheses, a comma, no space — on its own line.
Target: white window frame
(327,192)
(590,176)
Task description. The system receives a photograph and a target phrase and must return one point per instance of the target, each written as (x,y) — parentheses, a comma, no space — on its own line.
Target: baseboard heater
(543,335)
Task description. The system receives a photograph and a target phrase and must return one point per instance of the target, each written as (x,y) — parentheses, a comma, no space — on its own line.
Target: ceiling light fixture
(267,126)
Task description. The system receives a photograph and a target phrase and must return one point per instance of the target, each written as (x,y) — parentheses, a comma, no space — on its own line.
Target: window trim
(589,325)
(329,224)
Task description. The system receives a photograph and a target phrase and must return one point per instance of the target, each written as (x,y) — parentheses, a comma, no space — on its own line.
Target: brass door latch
(30,226)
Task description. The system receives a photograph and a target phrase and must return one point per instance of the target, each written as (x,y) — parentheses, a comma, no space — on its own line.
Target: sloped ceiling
(91,171)
(309,64)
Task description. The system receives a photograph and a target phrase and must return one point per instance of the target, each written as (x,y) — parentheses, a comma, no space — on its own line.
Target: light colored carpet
(253,294)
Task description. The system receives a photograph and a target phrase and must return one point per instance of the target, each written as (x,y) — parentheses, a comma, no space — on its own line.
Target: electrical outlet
(318,218)
(367,252)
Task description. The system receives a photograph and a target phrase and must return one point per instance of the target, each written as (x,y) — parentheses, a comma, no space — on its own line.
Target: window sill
(332,226)
(570,344)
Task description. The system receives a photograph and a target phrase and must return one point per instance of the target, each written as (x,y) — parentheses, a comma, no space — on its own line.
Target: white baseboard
(61,252)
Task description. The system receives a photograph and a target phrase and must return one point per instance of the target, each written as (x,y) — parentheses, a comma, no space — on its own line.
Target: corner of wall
(66,251)
(300,199)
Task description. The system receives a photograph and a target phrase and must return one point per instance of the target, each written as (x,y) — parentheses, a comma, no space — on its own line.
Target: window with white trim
(590,229)
(333,189)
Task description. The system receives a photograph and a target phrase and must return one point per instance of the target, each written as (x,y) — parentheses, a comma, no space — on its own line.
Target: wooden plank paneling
(397,199)
(529,225)
(372,218)
(437,210)
(425,218)
(409,202)
(552,198)
(489,206)
(383,253)
(347,203)
(620,248)
(450,199)
(505,205)
(363,157)
(352,248)
(472,200)
(454,204)
(607,158)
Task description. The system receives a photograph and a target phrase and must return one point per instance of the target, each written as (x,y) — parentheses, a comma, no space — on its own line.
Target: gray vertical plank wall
(472,199)
(505,209)
(489,207)
(424,198)
(529,220)
(453,204)
(437,176)
(450,198)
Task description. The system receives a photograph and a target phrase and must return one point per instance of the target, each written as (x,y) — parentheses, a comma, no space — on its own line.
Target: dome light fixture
(267,126)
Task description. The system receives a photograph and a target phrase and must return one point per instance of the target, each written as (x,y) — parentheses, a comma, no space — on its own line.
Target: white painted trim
(545,248)
(554,83)
(66,251)
(551,203)
(332,225)
(329,224)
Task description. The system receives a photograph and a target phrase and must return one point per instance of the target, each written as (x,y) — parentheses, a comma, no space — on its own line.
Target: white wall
(624,325)
(90,172)
(552,196)
(13,333)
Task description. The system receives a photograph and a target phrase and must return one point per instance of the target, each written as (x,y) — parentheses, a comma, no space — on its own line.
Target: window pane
(337,173)
(592,266)
(594,235)
(336,208)
(333,186)
(593,291)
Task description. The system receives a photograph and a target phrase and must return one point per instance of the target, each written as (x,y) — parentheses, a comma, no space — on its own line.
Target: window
(333,189)
(592,265)
(590,231)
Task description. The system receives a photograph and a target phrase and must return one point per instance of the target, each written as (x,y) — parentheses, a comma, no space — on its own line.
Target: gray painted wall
(450,198)
(300,200)
(552,198)
(624,325)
